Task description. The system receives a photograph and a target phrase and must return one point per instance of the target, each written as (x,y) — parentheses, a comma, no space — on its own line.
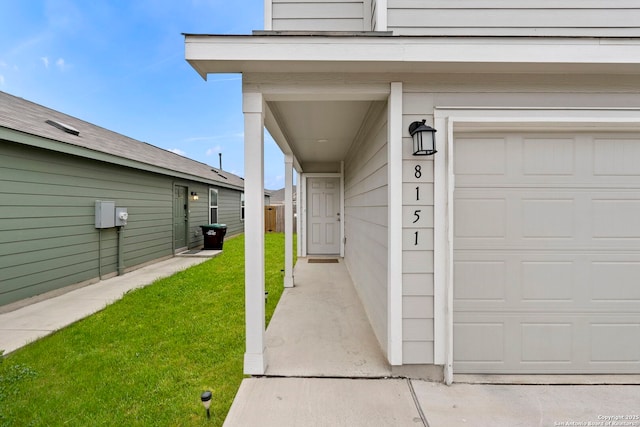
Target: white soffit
(317,53)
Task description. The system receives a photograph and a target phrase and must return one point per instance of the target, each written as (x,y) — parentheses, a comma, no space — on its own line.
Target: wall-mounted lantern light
(205,398)
(194,195)
(424,139)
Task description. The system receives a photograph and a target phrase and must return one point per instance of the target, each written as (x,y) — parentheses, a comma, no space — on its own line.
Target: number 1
(416,243)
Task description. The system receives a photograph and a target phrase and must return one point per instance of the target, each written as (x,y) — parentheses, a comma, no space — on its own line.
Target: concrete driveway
(319,375)
(345,402)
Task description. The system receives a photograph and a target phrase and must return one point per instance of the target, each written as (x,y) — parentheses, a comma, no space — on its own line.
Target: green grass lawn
(146,359)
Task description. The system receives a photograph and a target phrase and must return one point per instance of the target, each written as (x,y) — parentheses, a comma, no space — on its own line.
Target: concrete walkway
(320,329)
(27,324)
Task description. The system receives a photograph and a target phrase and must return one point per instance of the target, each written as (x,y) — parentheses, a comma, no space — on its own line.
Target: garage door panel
(550,281)
(615,342)
(616,156)
(615,281)
(482,342)
(547,342)
(549,156)
(480,280)
(548,218)
(547,281)
(547,253)
(535,343)
(490,214)
(567,219)
(480,156)
(616,218)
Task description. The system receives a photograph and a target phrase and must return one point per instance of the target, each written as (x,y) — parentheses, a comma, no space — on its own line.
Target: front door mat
(323,261)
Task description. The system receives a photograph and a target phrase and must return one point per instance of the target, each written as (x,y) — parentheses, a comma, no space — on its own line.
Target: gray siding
(417,257)
(48,238)
(366,215)
(590,18)
(320,15)
(229,210)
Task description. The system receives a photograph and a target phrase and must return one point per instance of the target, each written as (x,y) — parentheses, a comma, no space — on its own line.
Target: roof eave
(66,148)
(345,54)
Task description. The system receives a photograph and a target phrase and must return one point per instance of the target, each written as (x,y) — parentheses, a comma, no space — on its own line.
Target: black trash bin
(214,235)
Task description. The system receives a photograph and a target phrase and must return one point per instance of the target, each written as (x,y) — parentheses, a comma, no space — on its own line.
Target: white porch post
(298,210)
(288,221)
(255,361)
(394,262)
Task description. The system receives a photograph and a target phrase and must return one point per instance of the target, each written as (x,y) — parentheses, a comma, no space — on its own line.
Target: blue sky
(120,64)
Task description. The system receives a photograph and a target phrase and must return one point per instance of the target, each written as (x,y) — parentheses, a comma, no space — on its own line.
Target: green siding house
(53,169)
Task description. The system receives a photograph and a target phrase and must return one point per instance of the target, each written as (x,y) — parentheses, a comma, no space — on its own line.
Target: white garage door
(547,253)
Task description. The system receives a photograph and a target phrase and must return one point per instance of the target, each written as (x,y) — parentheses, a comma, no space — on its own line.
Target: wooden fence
(274,219)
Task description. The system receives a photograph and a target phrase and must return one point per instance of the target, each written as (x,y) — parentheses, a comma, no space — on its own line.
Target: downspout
(120,250)
(100,253)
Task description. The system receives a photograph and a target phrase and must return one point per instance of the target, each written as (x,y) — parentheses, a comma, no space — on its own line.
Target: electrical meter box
(121,217)
(105,214)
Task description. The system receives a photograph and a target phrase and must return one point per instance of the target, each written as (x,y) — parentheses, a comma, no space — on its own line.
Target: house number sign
(417,204)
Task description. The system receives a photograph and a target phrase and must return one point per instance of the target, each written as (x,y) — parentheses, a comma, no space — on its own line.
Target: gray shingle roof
(24,116)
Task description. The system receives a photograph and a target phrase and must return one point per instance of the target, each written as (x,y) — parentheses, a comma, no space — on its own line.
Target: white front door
(323,216)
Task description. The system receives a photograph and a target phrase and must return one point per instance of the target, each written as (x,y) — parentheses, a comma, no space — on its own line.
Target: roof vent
(64,127)
(219,174)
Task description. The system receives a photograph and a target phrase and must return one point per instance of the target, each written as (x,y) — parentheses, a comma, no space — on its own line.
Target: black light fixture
(194,195)
(205,397)
(424,139)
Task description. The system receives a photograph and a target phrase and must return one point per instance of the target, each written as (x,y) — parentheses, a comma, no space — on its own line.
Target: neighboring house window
(242,206)
(213,206)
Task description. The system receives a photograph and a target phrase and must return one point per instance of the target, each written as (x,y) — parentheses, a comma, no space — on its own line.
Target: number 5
(417,215)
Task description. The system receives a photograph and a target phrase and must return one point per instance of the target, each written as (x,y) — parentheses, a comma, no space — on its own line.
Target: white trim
(440,238)
(381,15)
(255,360)
(298,213)
(268,15)
(302,212)
(342,209)
(315,53)
(217,206)
(394,225)
(288,221)
(305,177)
(242,206)
(496,119)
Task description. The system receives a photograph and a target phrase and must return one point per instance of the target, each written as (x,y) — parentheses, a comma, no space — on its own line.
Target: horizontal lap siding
(419,100)
(318,15)
(47,215)
(366,217)
(229,210)
(515,17)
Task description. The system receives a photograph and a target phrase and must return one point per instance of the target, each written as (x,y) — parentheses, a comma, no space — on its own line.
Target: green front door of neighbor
(180,217)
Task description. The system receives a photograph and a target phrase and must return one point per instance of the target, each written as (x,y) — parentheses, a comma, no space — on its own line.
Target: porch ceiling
(319,131)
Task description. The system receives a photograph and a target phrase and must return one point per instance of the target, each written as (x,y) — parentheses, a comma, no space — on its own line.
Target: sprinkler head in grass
(205,397)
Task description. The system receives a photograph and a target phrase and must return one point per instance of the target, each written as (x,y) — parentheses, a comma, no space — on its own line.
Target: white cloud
(214,150)
(1,80)
(60,63)
(179,152)
(45,61)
